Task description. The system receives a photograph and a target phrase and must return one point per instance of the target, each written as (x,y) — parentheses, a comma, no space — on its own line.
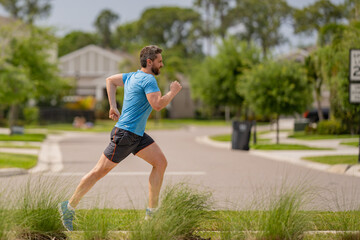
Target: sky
(69,15)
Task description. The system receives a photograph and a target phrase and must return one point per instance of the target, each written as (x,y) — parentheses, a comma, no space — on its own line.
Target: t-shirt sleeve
(125,77)
(150,85)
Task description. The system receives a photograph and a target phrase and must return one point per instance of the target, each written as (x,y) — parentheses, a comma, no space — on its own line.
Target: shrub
(330,127)
(31,115)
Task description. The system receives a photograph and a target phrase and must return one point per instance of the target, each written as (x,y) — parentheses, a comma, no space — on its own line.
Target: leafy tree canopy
(317,15)
(75,40)
(27,10)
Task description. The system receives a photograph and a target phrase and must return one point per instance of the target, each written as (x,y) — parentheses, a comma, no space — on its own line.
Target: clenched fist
(175,87)
(114,114)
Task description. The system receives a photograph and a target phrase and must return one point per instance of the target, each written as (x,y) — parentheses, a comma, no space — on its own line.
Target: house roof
(116,56)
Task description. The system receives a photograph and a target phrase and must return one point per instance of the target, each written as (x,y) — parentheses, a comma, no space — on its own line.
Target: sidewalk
(49,155)
(295,156)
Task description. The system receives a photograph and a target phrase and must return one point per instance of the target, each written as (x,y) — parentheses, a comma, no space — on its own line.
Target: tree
(214,81)
(352,9)
(278,88)
(103,24)
(216,20)
(27,10)
(172,27)
(127,37)
(261,21)
(335,70)
(317,15)
(75,40)
(27,71)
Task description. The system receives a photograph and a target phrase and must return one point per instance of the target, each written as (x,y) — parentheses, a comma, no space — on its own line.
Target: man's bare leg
(153,155)
(103,166)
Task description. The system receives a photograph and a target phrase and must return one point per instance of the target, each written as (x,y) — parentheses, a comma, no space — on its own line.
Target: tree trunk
(227,113)
(277,129)
(318,85)
(13,116)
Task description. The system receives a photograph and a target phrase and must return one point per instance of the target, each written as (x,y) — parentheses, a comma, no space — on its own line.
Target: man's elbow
(157,108)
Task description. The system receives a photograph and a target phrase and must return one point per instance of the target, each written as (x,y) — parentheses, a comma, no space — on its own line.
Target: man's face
(157,64)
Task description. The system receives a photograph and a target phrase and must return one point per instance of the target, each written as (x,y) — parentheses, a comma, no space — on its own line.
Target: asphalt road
(235,178)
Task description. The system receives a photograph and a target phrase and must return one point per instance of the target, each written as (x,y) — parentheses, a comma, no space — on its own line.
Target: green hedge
(330,127)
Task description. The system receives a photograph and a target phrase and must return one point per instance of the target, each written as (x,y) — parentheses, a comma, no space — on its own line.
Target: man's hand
(114,114)
(175,87)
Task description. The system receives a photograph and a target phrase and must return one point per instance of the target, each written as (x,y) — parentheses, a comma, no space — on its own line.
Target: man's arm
(112,83)
(158,102)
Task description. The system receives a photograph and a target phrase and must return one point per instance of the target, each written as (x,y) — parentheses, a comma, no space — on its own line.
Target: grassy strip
(26,137)
(262,144)
(353,144)
(304,136)
(10,160)
(107,125)
(285,147)
(227,138)
(11,145)
(123,220)
(335,159)
(184,212)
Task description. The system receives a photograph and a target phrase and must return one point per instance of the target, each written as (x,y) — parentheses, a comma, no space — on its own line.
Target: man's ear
(148,62)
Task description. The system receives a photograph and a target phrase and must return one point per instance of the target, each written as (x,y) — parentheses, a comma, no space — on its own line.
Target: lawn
(263,144)
(10,160)
(36,137)
(334,159)
(304,136)
(353,144)
(20,146)
(107,125)
(281,146)
(227,138)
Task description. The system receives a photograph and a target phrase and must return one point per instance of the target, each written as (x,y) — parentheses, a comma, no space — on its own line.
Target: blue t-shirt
(136,108)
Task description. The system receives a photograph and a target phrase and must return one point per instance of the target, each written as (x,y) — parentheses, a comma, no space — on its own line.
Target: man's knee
(162,163)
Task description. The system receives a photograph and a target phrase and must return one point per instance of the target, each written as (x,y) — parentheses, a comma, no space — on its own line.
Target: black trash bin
(241,135)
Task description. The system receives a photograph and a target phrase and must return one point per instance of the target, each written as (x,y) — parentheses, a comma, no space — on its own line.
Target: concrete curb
(7,172)
(49,159)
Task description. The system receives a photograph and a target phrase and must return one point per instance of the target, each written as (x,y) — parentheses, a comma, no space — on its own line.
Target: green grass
(334,159)
(281,146)
(20,146)
(304,136)
(227,138)
(12,160)
(35,214)
(36,137)
(107,125)
(263,144)
(353,144)
(123,219)
(182,211)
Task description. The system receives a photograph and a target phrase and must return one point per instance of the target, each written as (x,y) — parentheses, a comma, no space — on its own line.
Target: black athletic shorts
(123,142)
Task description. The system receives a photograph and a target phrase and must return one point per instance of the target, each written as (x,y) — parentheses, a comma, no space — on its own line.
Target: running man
(141,95)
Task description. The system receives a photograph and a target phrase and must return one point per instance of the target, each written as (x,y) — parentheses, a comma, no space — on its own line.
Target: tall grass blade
(182,211)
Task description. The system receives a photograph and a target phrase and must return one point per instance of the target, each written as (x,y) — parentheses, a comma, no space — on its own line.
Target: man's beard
(155,70)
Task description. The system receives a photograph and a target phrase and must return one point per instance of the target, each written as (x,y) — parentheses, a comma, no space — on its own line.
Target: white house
(90,66)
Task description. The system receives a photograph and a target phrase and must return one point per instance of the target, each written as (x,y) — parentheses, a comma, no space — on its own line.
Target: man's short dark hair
(149,52)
